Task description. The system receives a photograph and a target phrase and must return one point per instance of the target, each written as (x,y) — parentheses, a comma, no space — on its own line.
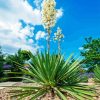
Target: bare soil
(6,96)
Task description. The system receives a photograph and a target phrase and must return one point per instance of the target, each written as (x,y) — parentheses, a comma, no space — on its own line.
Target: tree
(1,62)
(16,61)
(91,53)
(25,54)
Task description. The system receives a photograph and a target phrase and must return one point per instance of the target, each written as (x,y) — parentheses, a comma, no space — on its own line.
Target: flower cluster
(49,13)
(58,34)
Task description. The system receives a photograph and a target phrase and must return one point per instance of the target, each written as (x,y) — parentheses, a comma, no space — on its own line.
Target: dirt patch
(4,95)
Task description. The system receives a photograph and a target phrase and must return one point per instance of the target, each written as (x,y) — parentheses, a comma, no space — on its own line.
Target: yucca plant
(97,80)
(54,77)
(97,74)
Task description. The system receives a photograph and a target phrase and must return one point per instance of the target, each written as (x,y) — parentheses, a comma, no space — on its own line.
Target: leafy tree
(25,54)
(91,53)
(17,60)
(1,62)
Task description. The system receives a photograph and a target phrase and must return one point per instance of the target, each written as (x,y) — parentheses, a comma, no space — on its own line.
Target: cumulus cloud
(30,41)
(12,35)
(37,3)
(40,34)
(13,10)
(81,48)
(15,38)
(59,13)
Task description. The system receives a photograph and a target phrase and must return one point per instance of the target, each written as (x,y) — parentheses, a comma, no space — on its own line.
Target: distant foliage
(91,53)
(17,60)
(1,62)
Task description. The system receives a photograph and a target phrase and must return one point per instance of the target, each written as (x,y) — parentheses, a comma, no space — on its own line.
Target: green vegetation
(1,62)
(91,53)
(15,61)
(97,74)
(55,77)
(11,63)
(18,58)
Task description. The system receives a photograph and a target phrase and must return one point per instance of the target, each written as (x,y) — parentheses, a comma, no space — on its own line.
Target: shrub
(1,62)
(55,77)
(97,74)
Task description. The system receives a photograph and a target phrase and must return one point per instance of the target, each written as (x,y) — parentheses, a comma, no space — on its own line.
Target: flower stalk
(48,17)
(48,40)
(58,37)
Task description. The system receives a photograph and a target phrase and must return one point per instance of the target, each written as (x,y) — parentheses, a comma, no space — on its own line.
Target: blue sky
(81,19)
(78,19)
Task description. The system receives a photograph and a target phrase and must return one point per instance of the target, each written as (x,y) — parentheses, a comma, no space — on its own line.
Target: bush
(97,74)
(55,77)
(1,62)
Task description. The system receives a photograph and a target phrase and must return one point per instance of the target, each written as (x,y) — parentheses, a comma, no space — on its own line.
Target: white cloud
(30,41)
(81,48)
(40,34)
(27,31)
(14,10)
(15,38)
(38,3)
(59,13)
(12,35)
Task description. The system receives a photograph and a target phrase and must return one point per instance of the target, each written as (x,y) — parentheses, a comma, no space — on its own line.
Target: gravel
(6,96)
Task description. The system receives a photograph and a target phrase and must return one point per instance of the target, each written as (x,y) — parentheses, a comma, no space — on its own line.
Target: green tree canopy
(17,59)
(91,53)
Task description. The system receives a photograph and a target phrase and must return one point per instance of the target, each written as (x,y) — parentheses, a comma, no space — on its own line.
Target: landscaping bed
(4,95)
